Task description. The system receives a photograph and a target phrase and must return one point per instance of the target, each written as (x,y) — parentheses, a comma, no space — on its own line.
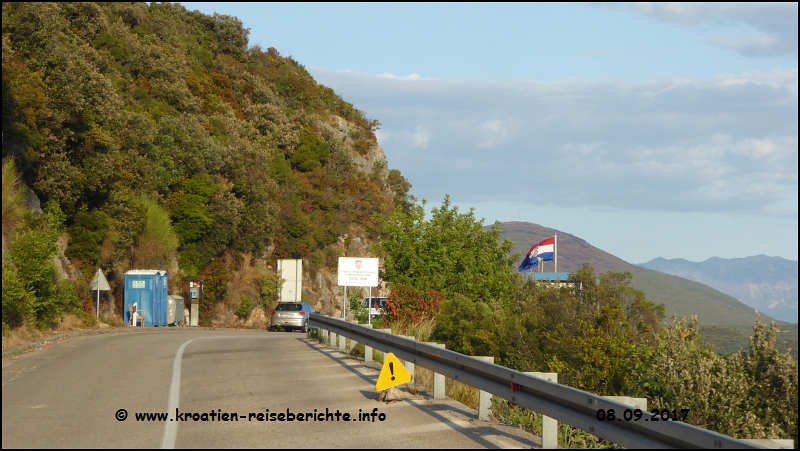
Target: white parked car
(377,306)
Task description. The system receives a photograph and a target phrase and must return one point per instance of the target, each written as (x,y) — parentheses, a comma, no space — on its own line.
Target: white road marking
(171,428)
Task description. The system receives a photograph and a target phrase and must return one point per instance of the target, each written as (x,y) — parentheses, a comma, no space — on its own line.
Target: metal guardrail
(566,404)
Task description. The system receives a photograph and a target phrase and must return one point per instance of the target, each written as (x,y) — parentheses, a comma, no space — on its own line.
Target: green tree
(86,237)
(269,286)
(356,306)
(471,326)
(451,254)
(31,253)
(18,302)
(613,320)
(157,243)
(311,152)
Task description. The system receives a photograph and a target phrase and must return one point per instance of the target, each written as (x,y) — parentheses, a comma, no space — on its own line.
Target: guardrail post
(484,398)
(342,342)
(352,342)
(549,425)
(332,336)
(438,379)
(367,349)
(410,365)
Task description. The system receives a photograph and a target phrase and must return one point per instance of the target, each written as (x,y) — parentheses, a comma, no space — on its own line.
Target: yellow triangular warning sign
(393,373)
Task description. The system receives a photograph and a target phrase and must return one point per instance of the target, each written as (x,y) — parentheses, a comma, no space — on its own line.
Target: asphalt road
(70,395)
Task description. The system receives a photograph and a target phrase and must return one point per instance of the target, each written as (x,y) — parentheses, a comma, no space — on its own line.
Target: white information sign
(358,272)
(292,274)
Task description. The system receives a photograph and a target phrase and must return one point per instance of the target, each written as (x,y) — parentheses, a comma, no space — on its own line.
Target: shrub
(244,308)
(408,304)
(86,237)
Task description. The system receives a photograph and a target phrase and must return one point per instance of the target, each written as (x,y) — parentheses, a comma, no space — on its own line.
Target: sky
(649,130)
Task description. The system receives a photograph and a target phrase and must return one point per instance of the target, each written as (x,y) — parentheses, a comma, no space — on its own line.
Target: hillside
(768,284)
(680,296)
(167,141)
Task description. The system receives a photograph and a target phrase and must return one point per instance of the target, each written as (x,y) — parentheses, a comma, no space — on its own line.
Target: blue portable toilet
(148,289)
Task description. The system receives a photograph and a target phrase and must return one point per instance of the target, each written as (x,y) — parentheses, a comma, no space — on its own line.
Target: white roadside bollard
(367,349)
(484,398)
(438,379)
(549,425)
(410,365)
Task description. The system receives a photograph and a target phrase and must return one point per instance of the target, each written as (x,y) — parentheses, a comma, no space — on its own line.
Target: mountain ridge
(768,284)
(680,296)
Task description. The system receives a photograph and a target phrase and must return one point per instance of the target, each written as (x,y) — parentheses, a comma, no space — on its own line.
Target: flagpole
(555,249)
(97,311)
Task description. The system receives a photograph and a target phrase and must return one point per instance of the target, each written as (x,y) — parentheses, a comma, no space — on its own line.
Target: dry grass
(462,393)
(22,336)
(243,283)
(69,323)
(421,331)
(423,378)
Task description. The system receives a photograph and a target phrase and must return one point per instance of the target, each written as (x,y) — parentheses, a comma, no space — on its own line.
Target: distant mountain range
(768,284)
(679,295)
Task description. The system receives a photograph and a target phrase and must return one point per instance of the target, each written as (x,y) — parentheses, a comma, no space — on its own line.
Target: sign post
(357,272)
(99,283)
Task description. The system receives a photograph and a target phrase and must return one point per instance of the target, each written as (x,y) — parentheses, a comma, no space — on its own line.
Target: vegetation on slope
(168,142)
(600,335)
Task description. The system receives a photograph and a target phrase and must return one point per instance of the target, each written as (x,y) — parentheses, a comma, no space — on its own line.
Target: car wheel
(305,327)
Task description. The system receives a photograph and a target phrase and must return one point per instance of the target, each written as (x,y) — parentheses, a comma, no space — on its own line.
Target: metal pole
(555,245)
(369,307)
(344,303)
(97,310)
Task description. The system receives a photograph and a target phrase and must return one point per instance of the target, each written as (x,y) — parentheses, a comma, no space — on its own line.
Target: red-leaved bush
(408,304)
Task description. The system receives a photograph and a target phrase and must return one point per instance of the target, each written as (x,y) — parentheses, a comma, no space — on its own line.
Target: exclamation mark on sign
(391,369)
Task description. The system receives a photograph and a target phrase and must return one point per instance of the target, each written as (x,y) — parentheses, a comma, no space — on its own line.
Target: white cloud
(776,23)
(759,44)
(768,150)
(412,76)
(778,79)
(722,144)
(421,137)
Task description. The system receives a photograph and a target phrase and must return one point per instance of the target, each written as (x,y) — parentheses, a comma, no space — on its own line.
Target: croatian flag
(545,250)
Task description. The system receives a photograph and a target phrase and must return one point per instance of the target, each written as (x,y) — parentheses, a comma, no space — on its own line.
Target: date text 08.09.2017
(638,415)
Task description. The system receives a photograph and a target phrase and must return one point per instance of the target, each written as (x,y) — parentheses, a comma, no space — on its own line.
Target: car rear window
(289,307)
(376,302)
